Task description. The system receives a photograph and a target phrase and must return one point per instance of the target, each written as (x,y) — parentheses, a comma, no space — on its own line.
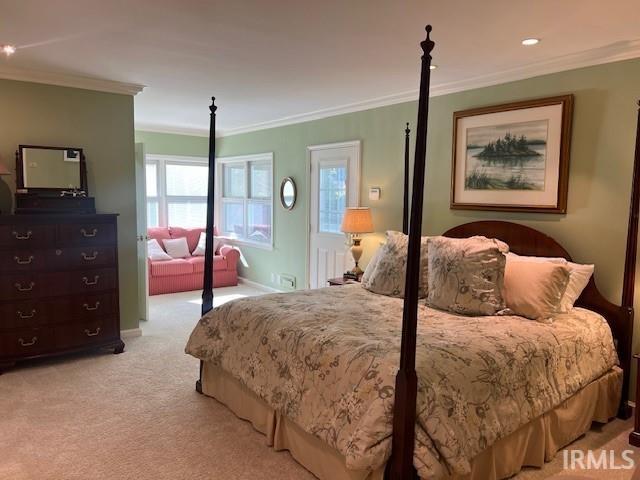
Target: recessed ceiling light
(530,41)
(433,67)
(8,50)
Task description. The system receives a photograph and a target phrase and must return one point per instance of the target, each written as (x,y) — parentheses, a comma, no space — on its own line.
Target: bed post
(400,466)
(207,289)
(628,288)
(405,207)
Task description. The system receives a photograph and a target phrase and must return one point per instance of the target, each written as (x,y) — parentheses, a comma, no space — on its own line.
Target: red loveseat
(186,274)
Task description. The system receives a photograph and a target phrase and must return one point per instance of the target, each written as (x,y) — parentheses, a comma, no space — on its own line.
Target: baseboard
(131,333)
(257,285)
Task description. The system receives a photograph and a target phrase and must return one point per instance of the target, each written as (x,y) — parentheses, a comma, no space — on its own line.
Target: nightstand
(341,281)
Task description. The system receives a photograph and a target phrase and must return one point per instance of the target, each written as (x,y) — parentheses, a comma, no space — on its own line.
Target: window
(245,198)
(176,191)
(333,197)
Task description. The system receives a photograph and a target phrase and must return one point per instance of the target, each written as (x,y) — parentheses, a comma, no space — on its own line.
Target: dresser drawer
(27,236)
(82,257)
(23,260)
(29,286)
(85,333)
(95,280)
(87,307)
(88,234)
(26,342)
(32,313)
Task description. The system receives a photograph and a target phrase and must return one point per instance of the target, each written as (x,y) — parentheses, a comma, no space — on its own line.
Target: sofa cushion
(171,267)
(158,233)
(192,235)
(219,263)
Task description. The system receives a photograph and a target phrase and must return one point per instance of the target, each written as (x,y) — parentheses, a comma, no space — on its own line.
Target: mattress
(326,359)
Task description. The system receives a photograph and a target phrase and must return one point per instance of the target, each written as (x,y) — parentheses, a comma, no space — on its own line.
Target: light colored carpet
(137,415)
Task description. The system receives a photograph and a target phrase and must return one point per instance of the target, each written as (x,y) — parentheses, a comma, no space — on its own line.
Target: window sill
(245,243)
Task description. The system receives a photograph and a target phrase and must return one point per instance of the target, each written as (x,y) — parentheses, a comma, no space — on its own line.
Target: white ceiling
(276,61)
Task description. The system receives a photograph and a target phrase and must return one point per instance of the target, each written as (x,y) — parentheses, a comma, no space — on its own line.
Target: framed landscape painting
(513,157)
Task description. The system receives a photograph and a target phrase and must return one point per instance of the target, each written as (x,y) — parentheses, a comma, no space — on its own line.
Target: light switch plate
(374,193)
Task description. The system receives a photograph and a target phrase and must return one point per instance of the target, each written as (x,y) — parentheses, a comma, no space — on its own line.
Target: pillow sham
(466,275)
(177,247)
(579,276)
(388,275)
(534,289)
(155,251)
(371,266)
(200,248)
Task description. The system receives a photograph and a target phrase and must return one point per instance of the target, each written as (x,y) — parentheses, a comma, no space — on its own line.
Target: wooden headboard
(525,240)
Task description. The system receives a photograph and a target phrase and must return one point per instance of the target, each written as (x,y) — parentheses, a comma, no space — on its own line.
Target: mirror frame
(20,171)
(295,193)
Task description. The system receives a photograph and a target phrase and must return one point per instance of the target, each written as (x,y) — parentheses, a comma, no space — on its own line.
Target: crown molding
(172,130)
(66,80)
(610,53)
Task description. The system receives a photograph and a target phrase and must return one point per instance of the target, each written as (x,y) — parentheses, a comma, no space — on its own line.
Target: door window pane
(260,180)
(153,216)
(333,197)
(233,180)
(259,222)
(187,180)
(187,214)
(151,173)
(234,218)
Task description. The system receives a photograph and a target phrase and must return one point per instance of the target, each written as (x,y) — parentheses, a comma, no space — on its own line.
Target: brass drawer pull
(89,308)
(27,344)
(86,281)
(89,258)
(20,261)
(91,234)
(26,316)
(19,236)
(20,288)
(89,333)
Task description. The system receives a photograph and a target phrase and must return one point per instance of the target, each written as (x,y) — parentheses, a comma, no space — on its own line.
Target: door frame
(358,177)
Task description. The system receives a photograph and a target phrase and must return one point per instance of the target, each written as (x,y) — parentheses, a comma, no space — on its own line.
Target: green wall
(593,230)
(101,124)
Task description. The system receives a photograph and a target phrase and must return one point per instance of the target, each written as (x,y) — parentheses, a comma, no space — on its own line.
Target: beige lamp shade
(4,170)
(357,220)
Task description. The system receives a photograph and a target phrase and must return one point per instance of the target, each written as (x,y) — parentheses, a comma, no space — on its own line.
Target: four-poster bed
(399,403)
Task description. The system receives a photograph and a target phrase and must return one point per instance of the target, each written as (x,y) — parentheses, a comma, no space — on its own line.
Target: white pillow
(155,251)
(177,247)
(200,248)
(579,276)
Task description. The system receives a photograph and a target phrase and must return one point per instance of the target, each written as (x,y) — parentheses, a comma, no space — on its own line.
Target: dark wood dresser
(58,285)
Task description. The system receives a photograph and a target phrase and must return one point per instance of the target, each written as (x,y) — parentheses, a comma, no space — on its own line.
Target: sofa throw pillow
(534,289)
(388,276)
(155,251)
(466,275)
(177,247)
(200,248)
(579,276)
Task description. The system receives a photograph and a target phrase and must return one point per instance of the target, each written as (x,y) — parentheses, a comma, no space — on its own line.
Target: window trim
(266,157)
(161,162)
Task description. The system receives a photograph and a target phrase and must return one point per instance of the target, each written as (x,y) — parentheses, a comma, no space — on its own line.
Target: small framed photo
(513,157)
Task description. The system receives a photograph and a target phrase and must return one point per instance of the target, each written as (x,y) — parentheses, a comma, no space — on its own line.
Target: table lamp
(355,222)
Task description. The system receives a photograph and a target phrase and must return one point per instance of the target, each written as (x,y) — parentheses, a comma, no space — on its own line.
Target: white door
(335,185)
(141,233)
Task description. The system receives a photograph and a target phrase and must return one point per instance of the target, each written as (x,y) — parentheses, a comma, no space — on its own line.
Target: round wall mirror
(288,193)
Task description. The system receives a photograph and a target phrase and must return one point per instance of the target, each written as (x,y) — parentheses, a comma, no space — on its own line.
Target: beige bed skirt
(530,445)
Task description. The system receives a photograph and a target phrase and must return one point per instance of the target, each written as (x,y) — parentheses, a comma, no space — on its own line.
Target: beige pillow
(371,266)
(534,289)
(177,247)
(579,276)
(388,275)
(466,275)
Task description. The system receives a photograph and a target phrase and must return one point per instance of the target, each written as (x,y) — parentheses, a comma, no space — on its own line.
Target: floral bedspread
(327,359)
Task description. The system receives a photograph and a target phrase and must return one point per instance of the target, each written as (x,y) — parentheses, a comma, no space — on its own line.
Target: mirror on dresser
(51,180)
